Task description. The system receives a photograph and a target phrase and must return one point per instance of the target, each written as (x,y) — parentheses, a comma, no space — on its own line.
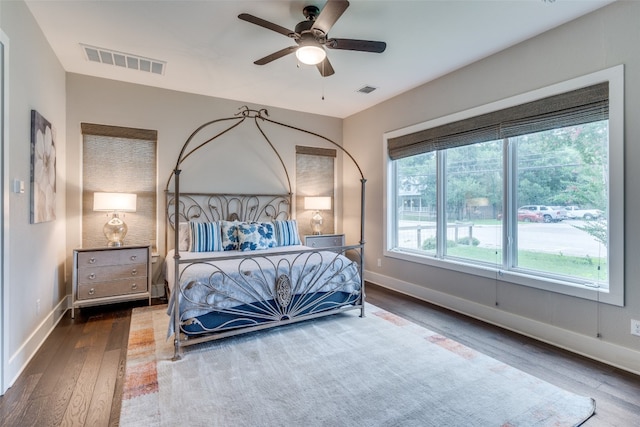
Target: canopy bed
(237,263)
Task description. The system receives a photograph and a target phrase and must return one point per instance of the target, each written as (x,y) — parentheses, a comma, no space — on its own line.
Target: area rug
(342,370)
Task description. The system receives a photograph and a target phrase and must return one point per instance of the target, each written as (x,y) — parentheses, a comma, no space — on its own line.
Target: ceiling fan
(312,36)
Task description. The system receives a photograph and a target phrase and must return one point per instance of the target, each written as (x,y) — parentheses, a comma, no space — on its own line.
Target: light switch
(18,186)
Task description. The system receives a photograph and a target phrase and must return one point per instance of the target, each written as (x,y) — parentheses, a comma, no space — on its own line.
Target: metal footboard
(263,291)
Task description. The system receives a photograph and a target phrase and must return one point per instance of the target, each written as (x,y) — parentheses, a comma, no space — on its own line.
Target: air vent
(366,89)
(124,60)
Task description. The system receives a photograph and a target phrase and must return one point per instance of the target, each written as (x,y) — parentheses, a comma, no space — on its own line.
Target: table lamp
(318,203)
(115,229)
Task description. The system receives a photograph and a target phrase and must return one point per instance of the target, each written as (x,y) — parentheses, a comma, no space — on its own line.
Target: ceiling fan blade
(325,68)
(276,55)
(359,45)
(265,24)
(330,13)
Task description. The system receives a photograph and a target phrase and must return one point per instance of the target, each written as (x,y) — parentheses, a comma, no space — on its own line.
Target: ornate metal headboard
(230,207)
(213,207)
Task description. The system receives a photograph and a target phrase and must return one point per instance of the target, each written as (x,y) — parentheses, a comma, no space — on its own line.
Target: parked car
(529,216)
(547,213)
(526,216)
(575,212)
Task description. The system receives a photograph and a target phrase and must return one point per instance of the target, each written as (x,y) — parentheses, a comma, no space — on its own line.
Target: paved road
(561,237)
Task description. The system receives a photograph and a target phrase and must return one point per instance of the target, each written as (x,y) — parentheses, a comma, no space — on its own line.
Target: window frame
(615,293)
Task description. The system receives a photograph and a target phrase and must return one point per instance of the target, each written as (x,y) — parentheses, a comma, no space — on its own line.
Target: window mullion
(510,185)
(441,230)
(392,232)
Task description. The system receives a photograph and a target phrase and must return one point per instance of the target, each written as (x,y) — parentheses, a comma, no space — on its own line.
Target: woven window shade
(314,177)
(572,108)
(120,162)
(316,151)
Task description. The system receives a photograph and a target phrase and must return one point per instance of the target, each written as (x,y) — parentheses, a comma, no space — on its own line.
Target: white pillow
(184,236)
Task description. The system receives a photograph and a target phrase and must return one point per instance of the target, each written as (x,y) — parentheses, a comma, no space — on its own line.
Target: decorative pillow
(256,235)
(184,236)
(229,231)
(287,232)
(205,236)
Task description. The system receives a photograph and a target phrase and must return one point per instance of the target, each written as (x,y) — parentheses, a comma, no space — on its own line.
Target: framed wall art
(43,169)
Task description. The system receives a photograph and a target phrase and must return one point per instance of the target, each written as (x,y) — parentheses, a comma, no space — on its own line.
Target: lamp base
(115,230)
(316,223)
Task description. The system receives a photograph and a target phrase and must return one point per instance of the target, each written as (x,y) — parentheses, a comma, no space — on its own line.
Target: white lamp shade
(311,54)
(317,203)
(122,202)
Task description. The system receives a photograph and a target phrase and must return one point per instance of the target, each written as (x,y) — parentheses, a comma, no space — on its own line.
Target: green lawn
(424,217)
(584,267)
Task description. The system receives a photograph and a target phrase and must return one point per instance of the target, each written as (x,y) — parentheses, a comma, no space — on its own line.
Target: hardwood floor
(76,378)
(617,392)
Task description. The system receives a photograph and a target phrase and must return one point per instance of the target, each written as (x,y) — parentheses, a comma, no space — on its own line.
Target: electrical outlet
(379,262)
(37,306)
(635,327)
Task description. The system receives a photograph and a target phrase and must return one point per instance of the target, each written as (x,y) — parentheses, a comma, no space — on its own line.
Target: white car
(575,212)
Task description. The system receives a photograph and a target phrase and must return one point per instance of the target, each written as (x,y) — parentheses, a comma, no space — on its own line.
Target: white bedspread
(211,283)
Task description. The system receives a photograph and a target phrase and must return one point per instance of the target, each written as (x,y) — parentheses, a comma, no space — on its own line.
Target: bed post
(176,258)
(363,181)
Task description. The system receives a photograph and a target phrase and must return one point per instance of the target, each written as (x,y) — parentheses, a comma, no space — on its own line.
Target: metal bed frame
(291,296)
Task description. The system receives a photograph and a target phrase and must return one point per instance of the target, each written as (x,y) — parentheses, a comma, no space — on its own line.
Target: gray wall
(35,253)
(607,37)
(239,162)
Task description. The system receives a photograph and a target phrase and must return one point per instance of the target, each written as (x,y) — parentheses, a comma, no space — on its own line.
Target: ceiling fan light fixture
(311,36)
(311,54)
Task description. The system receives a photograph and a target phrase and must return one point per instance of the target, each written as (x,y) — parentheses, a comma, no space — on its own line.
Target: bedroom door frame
(4,210)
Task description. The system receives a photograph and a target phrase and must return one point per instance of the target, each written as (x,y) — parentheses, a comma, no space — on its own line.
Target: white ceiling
(209,51)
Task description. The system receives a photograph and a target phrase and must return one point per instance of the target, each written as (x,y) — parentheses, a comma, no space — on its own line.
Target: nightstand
(324,240)
(109,275)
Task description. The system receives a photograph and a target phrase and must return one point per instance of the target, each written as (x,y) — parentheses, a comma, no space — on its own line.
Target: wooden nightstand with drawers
(324,240)
(110,275)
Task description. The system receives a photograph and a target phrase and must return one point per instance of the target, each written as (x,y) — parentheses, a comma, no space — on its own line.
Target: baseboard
(19,360)
(591,347)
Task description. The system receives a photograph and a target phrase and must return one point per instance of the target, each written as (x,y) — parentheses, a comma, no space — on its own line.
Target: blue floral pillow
(229,231)
(256,235)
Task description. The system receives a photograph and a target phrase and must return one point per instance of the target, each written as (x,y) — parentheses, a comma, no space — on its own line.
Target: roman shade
(572,108)
(121,160)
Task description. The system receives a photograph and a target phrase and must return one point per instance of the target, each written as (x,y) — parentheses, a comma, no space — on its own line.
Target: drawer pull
(92,276)
(134,257)
(92,260)
(134,286)
(92,291)
(134,272)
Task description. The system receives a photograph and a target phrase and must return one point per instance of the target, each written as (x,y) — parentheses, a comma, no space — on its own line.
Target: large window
(528,190)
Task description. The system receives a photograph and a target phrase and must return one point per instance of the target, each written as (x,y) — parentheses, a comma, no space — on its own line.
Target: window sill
(584,291)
